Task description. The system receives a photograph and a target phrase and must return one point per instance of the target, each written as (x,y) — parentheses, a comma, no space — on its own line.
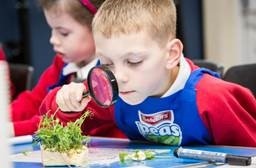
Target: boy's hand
(70,97)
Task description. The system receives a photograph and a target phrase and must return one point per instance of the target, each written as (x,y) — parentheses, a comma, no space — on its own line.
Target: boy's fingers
(74,96)
(69,97)
(80,89)
(61,102)
(85,101)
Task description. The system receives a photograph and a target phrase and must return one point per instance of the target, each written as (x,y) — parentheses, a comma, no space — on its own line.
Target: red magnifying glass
(102,86)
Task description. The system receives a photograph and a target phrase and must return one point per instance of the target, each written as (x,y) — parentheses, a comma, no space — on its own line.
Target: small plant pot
(72,158)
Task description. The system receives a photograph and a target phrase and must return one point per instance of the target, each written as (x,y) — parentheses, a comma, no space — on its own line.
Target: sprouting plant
(56,137)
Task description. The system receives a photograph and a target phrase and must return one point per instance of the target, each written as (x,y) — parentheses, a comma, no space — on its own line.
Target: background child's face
(139,64)
(71,39)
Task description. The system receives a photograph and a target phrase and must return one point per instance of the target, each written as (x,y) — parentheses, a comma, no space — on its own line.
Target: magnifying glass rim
(112,80)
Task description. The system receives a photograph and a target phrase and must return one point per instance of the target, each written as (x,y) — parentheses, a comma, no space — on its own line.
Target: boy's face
(71,39)
(139,65)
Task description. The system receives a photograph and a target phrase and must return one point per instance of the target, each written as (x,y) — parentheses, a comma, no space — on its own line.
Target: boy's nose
(121,75)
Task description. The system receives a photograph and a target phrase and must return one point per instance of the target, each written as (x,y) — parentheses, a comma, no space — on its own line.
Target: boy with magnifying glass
(163,97)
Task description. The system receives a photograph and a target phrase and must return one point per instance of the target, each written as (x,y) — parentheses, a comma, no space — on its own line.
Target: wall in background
(248,10)
(8,21)
(40,51)
(190,28)
(230,31)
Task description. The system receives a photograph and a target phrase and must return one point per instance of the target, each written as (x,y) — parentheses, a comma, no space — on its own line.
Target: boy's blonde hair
(74,7)
(156,17)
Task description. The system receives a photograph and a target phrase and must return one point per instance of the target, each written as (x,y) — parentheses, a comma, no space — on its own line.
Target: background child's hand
(70,97)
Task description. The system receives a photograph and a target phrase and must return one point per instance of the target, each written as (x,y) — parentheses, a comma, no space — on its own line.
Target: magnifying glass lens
(102,86)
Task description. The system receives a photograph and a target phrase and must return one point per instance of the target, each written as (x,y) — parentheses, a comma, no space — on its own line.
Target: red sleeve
(100,123)
(25,108)
(228,110)
(26,127)
(2,54)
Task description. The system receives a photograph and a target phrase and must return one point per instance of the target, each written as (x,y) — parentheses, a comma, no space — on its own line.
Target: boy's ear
(174,52)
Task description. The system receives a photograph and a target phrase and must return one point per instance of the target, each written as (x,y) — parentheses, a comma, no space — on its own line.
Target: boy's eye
(137,62)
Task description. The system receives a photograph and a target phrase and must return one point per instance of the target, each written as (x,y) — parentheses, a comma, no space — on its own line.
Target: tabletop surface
(103,152)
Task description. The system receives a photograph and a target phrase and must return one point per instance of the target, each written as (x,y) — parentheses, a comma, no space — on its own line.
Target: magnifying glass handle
(85,94)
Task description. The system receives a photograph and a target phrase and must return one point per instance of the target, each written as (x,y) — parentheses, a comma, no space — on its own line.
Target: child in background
(163,97)
(72,40)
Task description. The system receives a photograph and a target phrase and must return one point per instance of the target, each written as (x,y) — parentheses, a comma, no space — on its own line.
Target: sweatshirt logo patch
(155,119)
(159,127)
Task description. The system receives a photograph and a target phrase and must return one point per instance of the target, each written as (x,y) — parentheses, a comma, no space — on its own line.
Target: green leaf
(137,155)
(56,137)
